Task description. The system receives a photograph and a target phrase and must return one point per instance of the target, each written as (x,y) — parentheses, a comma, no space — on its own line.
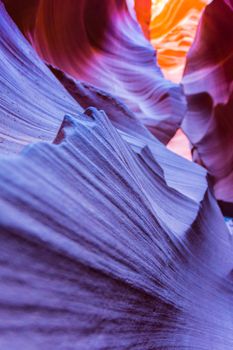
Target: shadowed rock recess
(108,239)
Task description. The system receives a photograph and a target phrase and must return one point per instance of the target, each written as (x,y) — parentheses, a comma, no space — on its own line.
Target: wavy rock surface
(108,51)
(48,101)
(140,139)
(108,240)
(208,85)
(97,267)
(32,101)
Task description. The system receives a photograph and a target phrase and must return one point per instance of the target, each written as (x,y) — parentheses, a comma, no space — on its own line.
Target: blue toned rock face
(108,240)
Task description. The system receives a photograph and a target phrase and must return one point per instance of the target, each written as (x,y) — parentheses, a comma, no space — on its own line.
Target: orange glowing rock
(171,30)
(143,12)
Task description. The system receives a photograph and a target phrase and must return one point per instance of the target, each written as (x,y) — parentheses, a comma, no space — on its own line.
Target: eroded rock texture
(107,50)
(104,265)
(208,85)
(32,102)
(108,239)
